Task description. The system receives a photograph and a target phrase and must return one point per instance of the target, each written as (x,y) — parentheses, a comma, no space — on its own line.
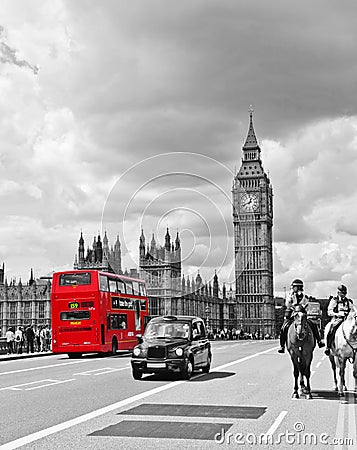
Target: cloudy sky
(117,115)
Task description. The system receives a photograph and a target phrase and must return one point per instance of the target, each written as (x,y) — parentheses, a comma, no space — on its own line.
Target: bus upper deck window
(121,287)
(129,287)
(103,283)
(113,286)
(136,288)
(142,289)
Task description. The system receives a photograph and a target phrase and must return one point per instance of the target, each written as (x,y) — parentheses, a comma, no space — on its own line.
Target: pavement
(12,356)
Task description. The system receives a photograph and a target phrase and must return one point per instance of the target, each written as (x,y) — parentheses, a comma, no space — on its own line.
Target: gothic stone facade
(169,293)
(160,267)
(25,304)
(100,256)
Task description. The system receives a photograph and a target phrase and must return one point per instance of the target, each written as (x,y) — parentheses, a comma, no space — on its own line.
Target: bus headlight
(137,351)
(179,351)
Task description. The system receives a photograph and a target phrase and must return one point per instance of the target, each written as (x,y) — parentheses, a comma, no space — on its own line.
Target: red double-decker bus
(95,311)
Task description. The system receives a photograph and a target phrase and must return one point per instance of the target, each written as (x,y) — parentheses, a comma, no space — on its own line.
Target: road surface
(245,401)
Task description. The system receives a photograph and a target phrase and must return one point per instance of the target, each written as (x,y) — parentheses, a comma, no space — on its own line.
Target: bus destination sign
(73,305)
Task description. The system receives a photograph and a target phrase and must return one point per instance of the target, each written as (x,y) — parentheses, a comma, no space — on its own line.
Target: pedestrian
(43,337)
(19,340)
(38,339)
(30,337)
(10,338)
(48,338)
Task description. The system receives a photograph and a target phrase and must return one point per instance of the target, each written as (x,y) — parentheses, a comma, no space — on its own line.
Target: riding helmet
(342,288)
(298,283)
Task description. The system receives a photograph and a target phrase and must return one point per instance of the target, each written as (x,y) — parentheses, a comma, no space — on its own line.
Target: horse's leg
(355,372)
(308,375)
(308,387)
(341,367)
(344,374)
(296,376)
(302,384)
(333,365)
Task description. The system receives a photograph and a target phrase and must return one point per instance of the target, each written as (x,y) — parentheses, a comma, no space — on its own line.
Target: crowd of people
(235,334)
(28,340)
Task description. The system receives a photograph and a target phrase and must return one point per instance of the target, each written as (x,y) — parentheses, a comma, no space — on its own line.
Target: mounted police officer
(296,297)
(338,308)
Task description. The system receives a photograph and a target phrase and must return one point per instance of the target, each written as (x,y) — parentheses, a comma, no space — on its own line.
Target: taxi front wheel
(188,370)
(137,374)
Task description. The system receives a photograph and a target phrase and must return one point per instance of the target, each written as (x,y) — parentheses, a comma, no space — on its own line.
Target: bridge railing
(3,346)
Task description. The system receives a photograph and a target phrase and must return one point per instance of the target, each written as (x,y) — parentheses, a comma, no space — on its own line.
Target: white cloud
(122,82)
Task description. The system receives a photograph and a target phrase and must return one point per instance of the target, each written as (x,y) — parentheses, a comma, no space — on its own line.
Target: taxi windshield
(176,330)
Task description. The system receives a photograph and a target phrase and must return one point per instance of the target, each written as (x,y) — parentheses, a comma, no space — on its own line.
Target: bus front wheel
(74,355)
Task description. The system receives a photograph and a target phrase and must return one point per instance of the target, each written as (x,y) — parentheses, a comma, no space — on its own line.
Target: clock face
(249,202)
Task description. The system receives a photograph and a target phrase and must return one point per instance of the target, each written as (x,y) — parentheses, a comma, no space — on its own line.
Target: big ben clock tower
(253,242)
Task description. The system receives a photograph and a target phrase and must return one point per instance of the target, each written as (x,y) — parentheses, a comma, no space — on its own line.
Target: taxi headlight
(179,351)
(136,351)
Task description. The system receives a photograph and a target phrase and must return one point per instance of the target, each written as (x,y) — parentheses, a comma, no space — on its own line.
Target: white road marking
(340,424)
(312,373)
(346,408)
(17,387)
(99,412)
(50,384)
(20,387)
(351,407)
(48,367)
(112,370)
(91,372)
(237,361)
(220,348)
(318,364)
(102,371)
(276,423)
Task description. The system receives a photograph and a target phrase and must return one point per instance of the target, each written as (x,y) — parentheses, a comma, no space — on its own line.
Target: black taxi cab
(172,344)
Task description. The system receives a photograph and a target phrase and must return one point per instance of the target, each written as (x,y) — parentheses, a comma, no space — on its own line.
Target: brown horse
(300,344)
(343,349)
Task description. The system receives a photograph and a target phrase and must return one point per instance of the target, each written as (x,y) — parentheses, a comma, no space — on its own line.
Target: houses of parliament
(249,307)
